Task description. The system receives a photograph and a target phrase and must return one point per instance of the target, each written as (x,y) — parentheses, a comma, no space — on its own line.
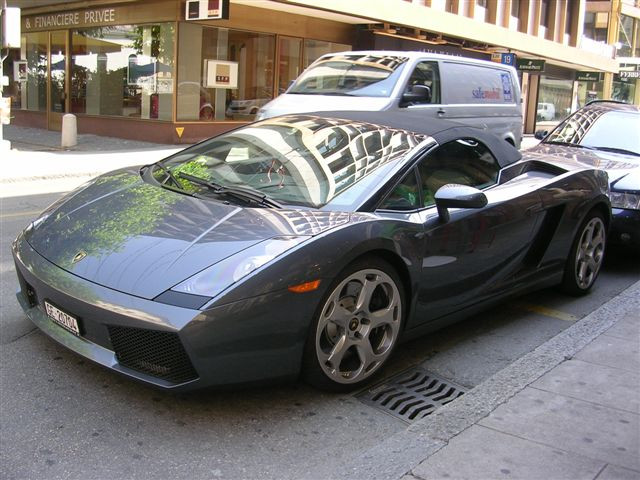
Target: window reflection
(199,49)
(124,70)
(35,88)
(297,159)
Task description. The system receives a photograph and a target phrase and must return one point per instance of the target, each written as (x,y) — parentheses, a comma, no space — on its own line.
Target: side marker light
(305,287)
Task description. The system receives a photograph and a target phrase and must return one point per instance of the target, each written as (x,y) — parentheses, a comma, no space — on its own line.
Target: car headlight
(626,200)
(216,278)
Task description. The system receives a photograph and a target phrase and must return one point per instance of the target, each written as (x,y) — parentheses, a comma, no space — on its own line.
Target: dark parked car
(605,135)
(304,243)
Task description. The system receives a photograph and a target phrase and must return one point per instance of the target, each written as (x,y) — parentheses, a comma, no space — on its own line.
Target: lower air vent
(27,290)
(155,353)
(411,395)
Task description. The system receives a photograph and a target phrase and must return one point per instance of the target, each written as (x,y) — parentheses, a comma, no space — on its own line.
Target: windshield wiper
(243,193)
(617,150)
(170,176)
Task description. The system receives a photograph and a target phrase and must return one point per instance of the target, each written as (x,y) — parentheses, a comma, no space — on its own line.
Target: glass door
(57,79)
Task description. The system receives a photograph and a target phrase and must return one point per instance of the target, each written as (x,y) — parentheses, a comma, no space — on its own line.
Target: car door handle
(441,112)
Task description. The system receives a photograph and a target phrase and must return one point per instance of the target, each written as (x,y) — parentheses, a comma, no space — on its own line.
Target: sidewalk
(568,410)
(36,163)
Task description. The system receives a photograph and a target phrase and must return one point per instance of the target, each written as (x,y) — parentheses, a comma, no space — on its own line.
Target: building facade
(143,69)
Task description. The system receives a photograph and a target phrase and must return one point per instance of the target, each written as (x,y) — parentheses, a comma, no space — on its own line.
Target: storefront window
(13,65)
(223,74)
(124,70)
(588,91)
(624,89)
(34,89)
(58,71)
(554,101)
(314,49)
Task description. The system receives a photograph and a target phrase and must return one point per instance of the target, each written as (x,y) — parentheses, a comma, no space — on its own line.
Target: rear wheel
(586,255)
(356,327)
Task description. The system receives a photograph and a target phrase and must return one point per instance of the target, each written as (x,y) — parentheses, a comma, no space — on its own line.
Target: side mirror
(417,94)
(540,134)
(458,196)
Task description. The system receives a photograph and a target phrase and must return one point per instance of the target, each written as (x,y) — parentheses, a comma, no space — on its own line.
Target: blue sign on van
(506,87)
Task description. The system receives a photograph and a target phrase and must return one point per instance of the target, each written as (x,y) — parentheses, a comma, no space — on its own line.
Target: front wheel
(356,327)
(586,255)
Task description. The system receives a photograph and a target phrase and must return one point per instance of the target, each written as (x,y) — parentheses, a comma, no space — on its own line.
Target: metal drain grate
(412,394)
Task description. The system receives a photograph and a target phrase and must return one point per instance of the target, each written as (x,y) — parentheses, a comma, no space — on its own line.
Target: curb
(402,452)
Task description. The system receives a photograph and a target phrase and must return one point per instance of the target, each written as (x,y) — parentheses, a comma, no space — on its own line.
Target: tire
(356,326)
(586,255)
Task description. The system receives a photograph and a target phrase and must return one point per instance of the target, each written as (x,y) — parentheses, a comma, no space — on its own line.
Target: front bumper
(169,347)
(625,227)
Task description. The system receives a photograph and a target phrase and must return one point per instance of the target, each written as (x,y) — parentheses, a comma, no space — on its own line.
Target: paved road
(62,417)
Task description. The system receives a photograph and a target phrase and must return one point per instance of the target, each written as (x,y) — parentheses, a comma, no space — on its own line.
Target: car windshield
(601,129)
(356,75)
(296,160)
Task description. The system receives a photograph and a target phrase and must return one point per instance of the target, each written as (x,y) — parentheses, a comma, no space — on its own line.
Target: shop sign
(588,77)
(530,65)
(221,74)
(629,74)
(161,11)
(207,10)
(98,16)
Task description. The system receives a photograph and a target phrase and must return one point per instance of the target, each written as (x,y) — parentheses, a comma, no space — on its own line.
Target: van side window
(465,162)
(426,75)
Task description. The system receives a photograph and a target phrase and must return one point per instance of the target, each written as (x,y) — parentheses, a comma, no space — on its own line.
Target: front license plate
(63,319)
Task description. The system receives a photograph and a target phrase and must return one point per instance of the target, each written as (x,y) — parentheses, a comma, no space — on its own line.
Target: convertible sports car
(304,243)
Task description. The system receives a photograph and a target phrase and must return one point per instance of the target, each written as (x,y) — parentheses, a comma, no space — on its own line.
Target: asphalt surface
(63,417)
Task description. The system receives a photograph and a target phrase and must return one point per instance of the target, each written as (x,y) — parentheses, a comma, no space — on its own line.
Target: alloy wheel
(590,252)
(358,326)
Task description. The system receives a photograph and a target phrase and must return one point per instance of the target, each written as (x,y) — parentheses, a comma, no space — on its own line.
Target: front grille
(412,395)
(156,353)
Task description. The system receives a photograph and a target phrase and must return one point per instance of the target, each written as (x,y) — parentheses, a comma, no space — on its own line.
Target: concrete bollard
(69,131)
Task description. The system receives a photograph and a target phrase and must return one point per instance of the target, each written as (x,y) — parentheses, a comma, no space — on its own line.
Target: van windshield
(356,75)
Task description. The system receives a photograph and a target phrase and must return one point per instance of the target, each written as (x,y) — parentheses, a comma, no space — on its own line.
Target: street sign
(530,65)
(504,58)
(588,77)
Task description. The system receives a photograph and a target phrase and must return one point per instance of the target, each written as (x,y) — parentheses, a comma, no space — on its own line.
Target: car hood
(298,103)
(615,164)
(141,239)
(628,183)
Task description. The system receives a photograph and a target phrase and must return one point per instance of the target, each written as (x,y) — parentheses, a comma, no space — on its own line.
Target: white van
(546,111)
(476,92)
